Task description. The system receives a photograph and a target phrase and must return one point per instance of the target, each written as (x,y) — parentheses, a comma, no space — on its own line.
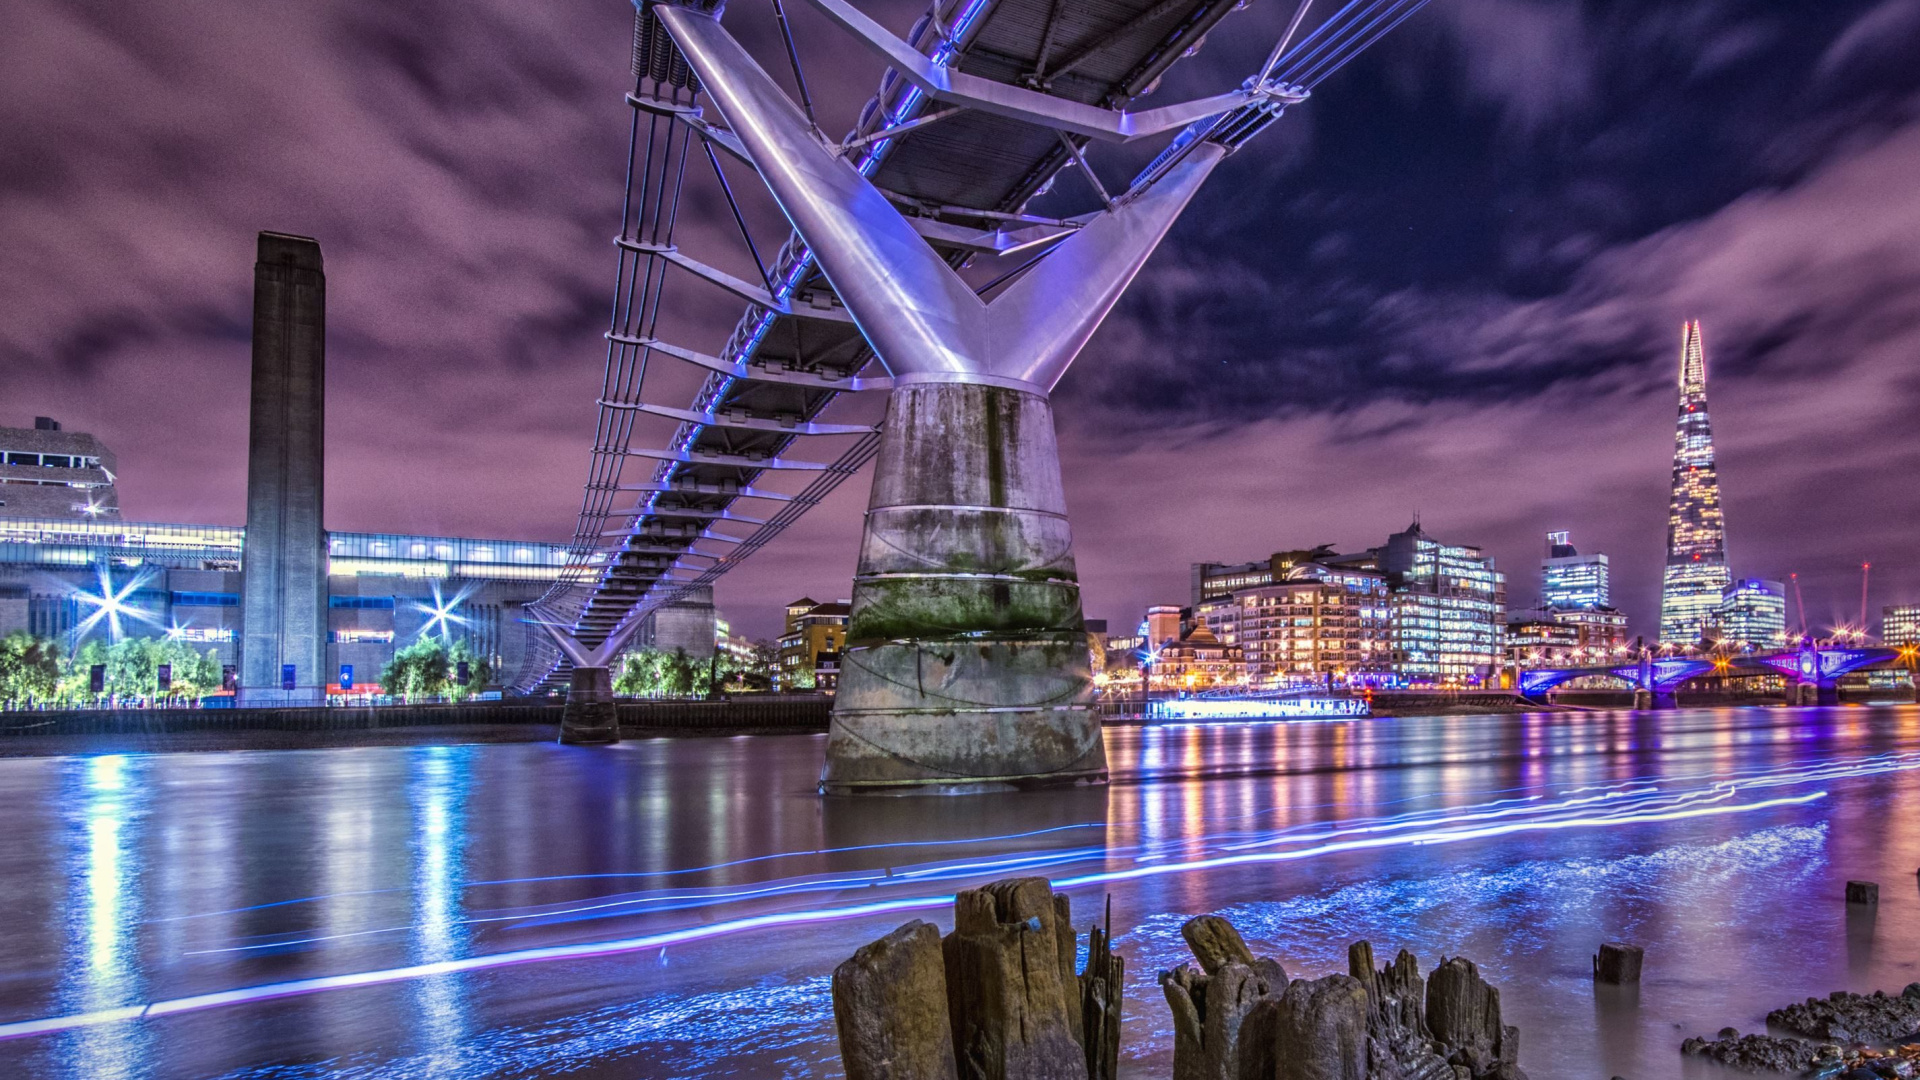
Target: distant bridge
(1815,673)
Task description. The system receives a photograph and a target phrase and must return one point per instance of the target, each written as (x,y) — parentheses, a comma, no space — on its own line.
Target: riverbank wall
(772,713)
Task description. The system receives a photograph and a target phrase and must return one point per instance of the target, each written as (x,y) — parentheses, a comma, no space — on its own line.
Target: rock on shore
(1763,1052)
(1875,1017)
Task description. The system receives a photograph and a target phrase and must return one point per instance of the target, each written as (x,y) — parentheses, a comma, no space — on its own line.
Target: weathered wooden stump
(1100,997)
(1463,1013)
(1617,963)
(1398,1042)
(998,999)
(1863,892)
(1007,978)
(1223,1015)
(1215,943)
(890,1005)
(1320,1030)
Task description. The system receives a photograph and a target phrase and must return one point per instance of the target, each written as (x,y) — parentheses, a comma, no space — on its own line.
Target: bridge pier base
(966,665)
(590,716)
(1642,700)
(1826,693)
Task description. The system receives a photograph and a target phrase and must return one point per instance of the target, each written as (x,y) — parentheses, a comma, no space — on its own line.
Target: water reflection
(379,882)
(101,973)
(437,789)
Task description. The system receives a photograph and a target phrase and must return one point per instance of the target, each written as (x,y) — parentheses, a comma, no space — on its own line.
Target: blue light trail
(1629,804)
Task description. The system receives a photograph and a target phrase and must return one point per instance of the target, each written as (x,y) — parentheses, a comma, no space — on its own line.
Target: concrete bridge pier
(590,715)
(1655,698)
(1812,693)
(966,665)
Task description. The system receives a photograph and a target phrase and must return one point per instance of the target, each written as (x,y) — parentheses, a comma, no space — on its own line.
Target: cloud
(1886,34)
(1534,59)
(1452,281)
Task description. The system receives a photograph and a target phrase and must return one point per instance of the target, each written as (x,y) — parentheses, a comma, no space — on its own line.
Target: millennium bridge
(917,262)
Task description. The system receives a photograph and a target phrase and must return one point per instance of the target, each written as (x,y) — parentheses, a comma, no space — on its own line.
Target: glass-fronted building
(79,580)
(1449,610)
(1696,576)
(1752,614)
(1900,624)
(1571,581)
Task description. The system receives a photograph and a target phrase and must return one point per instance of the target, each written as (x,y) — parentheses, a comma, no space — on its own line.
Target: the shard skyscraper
(1696,573)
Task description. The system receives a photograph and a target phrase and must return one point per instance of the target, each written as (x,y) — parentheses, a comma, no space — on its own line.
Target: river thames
(670,908)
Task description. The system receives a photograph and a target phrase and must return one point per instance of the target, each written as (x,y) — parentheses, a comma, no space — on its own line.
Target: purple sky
(1452,283)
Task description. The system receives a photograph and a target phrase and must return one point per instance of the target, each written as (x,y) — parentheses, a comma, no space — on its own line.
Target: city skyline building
(1752,613)
(1321,625)
(1597,628)
(1571,581)
(1449,609)
(1900,624)
(1696,577)
(814,631)
(1412,612)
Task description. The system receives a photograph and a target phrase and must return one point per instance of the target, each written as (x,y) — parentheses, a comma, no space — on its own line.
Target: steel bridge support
(591,716)
(966,666)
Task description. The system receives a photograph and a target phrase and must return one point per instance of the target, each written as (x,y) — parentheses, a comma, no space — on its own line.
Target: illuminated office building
(1212,580)
(1537,642)
(1571,581)
(1752,613)
(1415,612)
(1696,576)
(1449,610)
(1900,624)
(1321,624)
(1598,630)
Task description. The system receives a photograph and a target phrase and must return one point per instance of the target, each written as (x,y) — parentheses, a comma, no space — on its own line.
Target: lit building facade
(1161,625)
(1571,581)
(1322,625)
(1449,608)
(1696,576)
(47,473)
(1213,580)
(1752,613)
(1900,624)
(76,581)
(1538,642)
(1197,661)
(1598,630)
(813,630)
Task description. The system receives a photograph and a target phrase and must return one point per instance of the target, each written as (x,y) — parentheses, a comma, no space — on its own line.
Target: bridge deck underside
(1104,52)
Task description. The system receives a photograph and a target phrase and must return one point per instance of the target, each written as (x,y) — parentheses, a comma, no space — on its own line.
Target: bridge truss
(964,172)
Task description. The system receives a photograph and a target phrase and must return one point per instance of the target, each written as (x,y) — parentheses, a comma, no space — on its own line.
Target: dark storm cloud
(1451,282)
(1471,388)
